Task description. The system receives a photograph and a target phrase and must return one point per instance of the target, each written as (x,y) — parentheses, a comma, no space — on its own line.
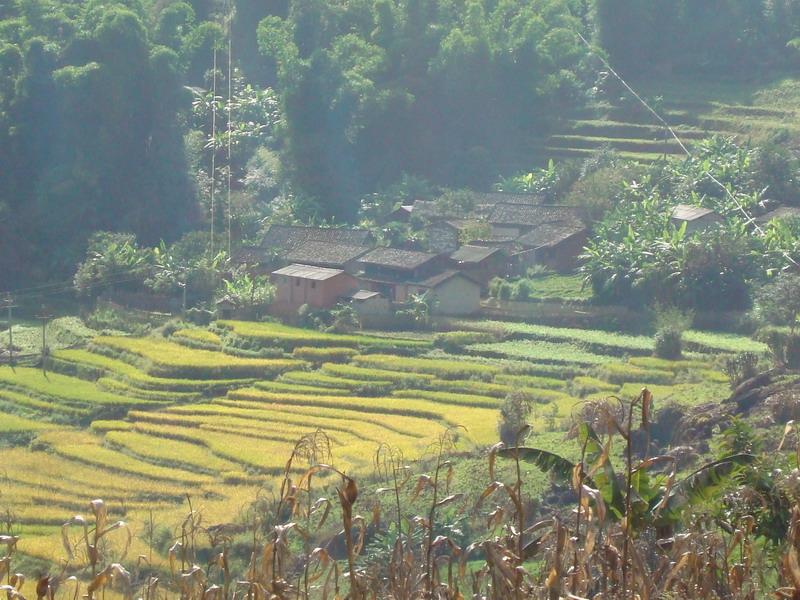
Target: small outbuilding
(319,287)
(454,293)
(696,218)
(481,263)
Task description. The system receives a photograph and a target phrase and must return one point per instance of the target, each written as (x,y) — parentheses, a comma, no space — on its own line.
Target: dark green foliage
(375,90)
(778,302)
(90,140)
(697,37)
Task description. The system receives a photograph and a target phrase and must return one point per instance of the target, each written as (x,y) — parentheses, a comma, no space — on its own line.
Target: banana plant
(649,494)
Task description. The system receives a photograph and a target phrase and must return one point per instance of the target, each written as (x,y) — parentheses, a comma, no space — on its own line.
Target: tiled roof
(361,295)
(308,272)
(325,253)
(494,198)
(438,279)
(396,258)
(550,234)
(473,254)
(782,212)
(290,236)
(528,214)
(685,212)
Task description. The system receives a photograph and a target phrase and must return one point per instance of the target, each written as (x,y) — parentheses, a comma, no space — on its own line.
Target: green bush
(784,345)
(523,290)
(668,344)
(504,291)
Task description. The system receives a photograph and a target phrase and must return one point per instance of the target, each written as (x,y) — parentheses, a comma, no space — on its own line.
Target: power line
(213,142)
(230,116)
(667,127)
(10,306)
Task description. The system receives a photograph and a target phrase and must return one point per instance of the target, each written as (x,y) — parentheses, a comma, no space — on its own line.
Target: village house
(319,287)
(453,293)
(327,254)
(549,235)
(481,263)
(696,218)
(521,218)
(442,236)
(553,245)
(372,308)
(401,214)
(321,246)
(781,212)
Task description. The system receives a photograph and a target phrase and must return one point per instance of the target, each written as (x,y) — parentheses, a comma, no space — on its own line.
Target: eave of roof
(308,272)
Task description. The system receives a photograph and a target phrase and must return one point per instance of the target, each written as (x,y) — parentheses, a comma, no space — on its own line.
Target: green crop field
(145,421)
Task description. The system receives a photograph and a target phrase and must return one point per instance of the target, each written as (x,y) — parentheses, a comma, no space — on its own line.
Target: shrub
(523,290)
(741,367)
(670,324)
(778,302)
(513,421)
(784,346)
(668,344)
(504,291)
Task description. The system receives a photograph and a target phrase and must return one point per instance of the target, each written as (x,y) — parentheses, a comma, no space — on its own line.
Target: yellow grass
(169,452)
(169,359)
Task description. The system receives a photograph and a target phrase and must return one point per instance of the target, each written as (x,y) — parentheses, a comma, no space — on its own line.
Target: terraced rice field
(142,422)
(696,110)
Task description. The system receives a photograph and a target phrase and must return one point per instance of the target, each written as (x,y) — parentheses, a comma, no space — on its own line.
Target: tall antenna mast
(230,118)
(213,142)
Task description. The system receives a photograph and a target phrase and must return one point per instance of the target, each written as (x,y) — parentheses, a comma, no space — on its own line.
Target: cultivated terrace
(399,299)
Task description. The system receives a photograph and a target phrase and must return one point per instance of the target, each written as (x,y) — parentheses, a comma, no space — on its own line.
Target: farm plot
(169,419)
(277,334)
(168,359)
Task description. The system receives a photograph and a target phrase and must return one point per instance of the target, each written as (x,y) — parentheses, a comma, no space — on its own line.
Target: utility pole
(10,306)
(44,317)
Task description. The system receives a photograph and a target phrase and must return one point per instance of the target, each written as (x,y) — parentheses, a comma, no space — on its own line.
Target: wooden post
(9,302)
(44,316)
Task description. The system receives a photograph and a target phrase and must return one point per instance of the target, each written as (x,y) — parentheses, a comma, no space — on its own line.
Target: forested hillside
(108,119)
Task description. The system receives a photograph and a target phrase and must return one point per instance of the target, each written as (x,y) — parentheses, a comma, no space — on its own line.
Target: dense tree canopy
(108,121)
(441,89)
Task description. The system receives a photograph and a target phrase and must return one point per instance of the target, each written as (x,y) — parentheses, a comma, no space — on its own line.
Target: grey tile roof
(550,234)
(782,212)
(308,272)
(289,236)
(685,212)
(473,254)
(396,258)
(361,295)
(494,198)
(527,215)
(438,279)
(325,253)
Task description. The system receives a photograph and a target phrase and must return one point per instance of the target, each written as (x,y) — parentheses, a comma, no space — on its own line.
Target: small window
(313,284)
